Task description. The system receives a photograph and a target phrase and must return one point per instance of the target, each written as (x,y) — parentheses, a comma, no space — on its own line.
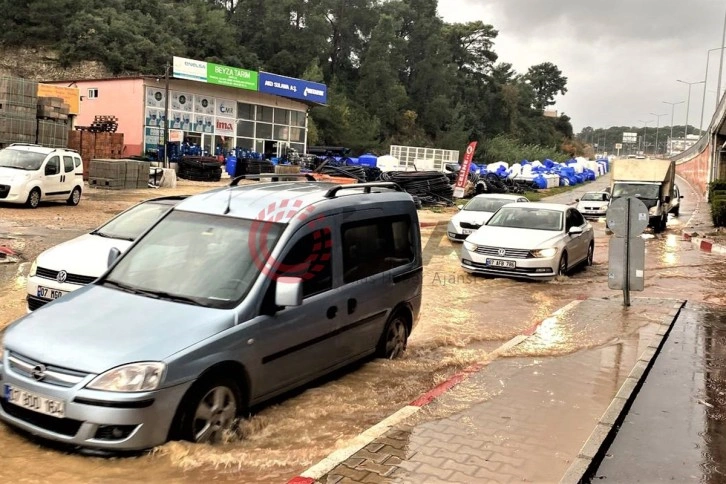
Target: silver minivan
(235,296)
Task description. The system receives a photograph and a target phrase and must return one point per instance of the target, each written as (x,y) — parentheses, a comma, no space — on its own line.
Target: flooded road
(463,319)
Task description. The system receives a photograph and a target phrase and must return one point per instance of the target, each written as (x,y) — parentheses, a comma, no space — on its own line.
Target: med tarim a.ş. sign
(290,87)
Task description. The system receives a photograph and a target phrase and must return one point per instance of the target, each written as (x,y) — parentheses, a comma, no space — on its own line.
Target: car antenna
(229,200)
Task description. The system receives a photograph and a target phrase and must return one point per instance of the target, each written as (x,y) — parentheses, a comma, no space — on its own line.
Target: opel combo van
(233,297)
(31,173)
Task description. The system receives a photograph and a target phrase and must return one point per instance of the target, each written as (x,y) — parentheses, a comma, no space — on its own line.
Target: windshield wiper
(106,236)
(123,287)
(168,296)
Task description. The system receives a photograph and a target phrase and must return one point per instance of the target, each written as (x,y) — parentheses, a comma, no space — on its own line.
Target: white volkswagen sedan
(594,204)
(476,213)
(80,261)
(531,241)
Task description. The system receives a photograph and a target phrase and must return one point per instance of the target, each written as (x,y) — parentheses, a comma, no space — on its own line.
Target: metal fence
(424,158)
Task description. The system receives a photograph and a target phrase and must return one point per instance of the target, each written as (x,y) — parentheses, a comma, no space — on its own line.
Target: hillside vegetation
(397,73)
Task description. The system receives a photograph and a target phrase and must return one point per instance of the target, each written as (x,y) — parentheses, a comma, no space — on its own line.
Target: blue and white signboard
(293,88)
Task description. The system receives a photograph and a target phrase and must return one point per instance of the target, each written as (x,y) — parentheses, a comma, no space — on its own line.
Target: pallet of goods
(118,174)
(91,145)
(18,109)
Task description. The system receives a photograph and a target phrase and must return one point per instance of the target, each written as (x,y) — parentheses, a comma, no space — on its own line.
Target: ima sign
(224,127)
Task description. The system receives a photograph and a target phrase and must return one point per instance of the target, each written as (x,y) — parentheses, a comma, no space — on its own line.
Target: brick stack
(114,174)
(18,110)
(92,145)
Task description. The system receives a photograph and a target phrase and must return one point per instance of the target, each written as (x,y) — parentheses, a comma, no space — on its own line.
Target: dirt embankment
(42,64)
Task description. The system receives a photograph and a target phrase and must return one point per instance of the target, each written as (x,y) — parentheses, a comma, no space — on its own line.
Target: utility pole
(166,116)
(673,108)
(657,128)
(644,143)
(688,104)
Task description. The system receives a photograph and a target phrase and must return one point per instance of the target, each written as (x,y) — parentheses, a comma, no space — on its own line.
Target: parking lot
(463,318)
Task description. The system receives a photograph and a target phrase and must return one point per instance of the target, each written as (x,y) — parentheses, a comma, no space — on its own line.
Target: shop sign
(181,101)
(204,105)
(154,97)
(224,126)
(176,136)
(203,123)
(231,77)
(191,69)
(293,88)
(226,108)
(70,95)
(180,120)
(154,117)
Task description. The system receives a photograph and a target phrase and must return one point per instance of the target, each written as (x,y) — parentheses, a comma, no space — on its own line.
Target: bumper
(16,194)
(456,233)
(535,268)
(593,213)
(36,299)
(104,420)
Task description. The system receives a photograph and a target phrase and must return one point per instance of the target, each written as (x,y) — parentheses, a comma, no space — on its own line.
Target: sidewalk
(699,230)
(522,418)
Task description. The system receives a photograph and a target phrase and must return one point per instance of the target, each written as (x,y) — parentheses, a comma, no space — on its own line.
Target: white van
(31,173)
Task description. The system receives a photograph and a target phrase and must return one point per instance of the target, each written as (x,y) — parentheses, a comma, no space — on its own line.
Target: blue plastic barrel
(367,159)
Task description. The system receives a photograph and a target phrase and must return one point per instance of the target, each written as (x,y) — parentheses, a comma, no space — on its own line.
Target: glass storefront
(222,124)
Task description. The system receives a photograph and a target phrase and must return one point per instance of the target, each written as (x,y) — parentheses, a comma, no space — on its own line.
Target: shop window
(93,93)
(282,133)
(297,118)
(299,147)
(246,143)
(246,129)
(259,146)
(265,114)
(297,134)
(246,111)
(282,116)
(264,131)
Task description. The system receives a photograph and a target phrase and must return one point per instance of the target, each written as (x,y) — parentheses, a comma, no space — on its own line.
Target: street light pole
(688,105)
(720,64)
(644,143)
(657,128)
(673,108)
(166,116)
(705,85)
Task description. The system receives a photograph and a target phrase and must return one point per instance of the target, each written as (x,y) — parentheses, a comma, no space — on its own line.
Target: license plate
(468,231)
(34,402)
(501,263)
(48,293)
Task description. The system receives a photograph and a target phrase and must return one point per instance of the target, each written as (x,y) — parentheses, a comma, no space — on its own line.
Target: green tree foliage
(397,73)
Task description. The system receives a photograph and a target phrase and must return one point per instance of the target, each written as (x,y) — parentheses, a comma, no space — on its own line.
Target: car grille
(4,191)
(35,302)
(518,270)
(467,225)
(62,426)
(593,208)
(510,253)
(70,278)
(54,375)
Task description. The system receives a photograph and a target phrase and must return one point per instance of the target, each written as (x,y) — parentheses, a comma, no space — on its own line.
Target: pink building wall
(123,98)
(696,170)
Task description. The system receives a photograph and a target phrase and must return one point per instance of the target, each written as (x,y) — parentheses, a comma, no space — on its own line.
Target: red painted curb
(301,480)
(445,386)
(687,236)
(706,245)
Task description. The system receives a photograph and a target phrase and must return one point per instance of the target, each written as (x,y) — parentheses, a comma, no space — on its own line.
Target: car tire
(590,254)
(562,265)
(75,197)
(677,211)
(33,198)
(394,339)
(209,411)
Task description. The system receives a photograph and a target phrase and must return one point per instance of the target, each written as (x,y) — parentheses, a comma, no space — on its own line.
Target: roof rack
(26,144)
(273,176)
(366,187)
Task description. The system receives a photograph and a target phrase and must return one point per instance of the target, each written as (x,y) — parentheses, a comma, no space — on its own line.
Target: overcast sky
(621,57)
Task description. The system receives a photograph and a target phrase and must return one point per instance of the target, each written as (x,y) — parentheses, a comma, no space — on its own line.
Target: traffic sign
(617,265)
(617,216)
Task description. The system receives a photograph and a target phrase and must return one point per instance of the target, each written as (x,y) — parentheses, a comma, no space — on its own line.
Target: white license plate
(48,293)
(34,402)
(468,231)
(501,263)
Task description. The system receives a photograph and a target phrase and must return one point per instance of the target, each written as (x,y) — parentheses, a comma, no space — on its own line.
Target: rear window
(374,246)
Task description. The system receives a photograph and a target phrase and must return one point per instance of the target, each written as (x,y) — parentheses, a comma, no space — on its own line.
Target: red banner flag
(464,171)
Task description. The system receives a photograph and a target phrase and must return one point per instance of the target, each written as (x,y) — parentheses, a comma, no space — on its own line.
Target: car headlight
(33,268)
(469,246)
(544,252)
(135,377)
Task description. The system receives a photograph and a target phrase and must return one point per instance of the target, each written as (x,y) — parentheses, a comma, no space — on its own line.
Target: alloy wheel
(396,339)
(215,415)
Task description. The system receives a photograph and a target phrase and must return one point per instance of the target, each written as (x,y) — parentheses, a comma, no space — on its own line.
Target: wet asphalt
(675,430)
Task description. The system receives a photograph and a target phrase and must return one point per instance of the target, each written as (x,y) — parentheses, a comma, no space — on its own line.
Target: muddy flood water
(463,319)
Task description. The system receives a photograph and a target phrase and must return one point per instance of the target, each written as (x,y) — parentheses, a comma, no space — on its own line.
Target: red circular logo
(305,265)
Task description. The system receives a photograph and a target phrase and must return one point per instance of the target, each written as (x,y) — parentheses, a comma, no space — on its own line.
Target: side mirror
(681,196)
(575,231)
(577,199)
(113,255)
(289,291)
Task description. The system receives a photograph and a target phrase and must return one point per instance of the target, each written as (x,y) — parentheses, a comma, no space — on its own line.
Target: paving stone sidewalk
(522,418)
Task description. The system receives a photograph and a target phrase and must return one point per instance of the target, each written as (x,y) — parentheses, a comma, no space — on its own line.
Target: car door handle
(352,305)
(332,312)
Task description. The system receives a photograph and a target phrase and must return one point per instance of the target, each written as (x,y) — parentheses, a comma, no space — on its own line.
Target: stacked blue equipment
(368,159)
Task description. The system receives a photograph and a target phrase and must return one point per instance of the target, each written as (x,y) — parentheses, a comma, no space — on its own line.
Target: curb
(705,245)
(593,451)
(312,474)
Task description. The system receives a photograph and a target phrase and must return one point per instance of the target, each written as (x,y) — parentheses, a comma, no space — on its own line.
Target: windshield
(486,204)
(527,218)
(196,258)
(651,192)
(595,197)
(22,160)
(132,223)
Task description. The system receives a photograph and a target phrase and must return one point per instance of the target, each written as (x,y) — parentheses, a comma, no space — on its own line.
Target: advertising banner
(231,77)
(154,117)
(180,120)
(176,136)
(70,95)
(226,108)
(155,97)
(191,69)
(293,88)
(153,137)
(181,101)
(204,105)
(463,176)
(225,126)
(203,123)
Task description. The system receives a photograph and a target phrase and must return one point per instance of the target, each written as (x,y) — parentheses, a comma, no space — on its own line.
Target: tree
(546,80)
